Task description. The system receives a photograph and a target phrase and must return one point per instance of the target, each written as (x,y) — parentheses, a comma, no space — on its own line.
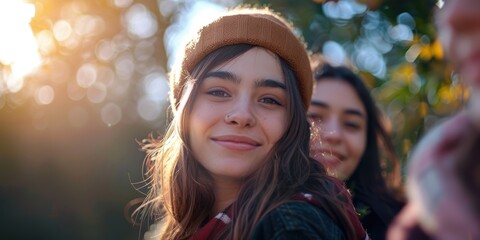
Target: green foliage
(417,88)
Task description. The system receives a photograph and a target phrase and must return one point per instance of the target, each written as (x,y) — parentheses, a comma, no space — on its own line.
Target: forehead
(337,93)
(255,52)
(258,62)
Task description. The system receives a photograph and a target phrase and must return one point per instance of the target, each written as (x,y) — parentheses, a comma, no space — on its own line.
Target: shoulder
(297,220)
(372,222)
(378,208)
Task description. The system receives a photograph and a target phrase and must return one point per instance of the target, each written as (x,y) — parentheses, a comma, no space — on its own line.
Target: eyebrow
(350,111)
(223,75)
(235,79)
(270,83)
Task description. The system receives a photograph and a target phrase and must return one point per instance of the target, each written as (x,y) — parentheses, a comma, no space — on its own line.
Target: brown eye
(352,125)
(218,93)
(269,100)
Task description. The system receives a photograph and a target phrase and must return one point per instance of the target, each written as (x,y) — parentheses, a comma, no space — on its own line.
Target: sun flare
(18,47)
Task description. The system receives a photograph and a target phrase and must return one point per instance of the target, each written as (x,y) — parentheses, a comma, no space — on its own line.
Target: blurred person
(234,162)
(347,134)
(443,181)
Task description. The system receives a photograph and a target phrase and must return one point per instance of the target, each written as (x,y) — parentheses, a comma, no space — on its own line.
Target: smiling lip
(327,155)
(239,143)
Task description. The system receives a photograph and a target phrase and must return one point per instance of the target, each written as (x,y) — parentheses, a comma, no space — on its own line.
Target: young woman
(346,130)
(234,162)
(443,183)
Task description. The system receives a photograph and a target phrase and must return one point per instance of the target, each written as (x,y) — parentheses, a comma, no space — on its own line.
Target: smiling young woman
(234,162)
(347,134)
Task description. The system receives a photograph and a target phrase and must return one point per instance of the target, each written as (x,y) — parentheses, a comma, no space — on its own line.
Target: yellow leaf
(445,94)
(423,109)
(426,52)
(406,72)
(437,50)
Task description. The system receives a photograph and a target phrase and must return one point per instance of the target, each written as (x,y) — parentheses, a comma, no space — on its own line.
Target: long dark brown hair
(181,190)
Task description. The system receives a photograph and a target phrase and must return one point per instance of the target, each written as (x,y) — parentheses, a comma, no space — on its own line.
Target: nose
(461,15)
(242,115)
(331,131)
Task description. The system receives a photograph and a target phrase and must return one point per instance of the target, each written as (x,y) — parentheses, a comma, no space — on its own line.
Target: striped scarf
(210,230)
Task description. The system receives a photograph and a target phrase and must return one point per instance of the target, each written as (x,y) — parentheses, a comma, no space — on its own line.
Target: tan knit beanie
(260,27)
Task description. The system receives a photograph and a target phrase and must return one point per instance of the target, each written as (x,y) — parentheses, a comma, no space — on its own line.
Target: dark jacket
(376,217)
(297,220)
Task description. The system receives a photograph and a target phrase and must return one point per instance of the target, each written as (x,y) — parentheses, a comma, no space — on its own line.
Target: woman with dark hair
(346,134)
(234,162)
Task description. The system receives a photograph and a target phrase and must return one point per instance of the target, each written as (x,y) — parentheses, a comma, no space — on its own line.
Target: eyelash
(222,93)
(352,125)
(269,100)
(218,93)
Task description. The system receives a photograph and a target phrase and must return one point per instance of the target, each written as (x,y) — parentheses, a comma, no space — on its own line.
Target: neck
(226,192)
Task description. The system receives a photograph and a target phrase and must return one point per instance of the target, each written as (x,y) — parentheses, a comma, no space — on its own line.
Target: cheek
(358,144)
(275,126)
(199,119)
(203,111)
(193,121)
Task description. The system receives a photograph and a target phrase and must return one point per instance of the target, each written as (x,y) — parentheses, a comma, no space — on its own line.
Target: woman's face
(239,114)
(339,131)
(459,30)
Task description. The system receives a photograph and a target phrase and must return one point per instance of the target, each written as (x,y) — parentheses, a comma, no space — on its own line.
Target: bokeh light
(62,30)
(86,75)
(44,95)
(140,21)
(334,53)
(343,9)
(111,114)
(401,32)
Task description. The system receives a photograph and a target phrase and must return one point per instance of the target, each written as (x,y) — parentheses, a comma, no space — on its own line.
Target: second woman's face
(339,131)
(239,114)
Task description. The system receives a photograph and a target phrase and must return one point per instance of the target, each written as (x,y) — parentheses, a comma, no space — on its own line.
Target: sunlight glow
(194,15)
(18,47)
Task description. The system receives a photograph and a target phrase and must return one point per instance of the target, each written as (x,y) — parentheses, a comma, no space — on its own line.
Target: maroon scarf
(210,230)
